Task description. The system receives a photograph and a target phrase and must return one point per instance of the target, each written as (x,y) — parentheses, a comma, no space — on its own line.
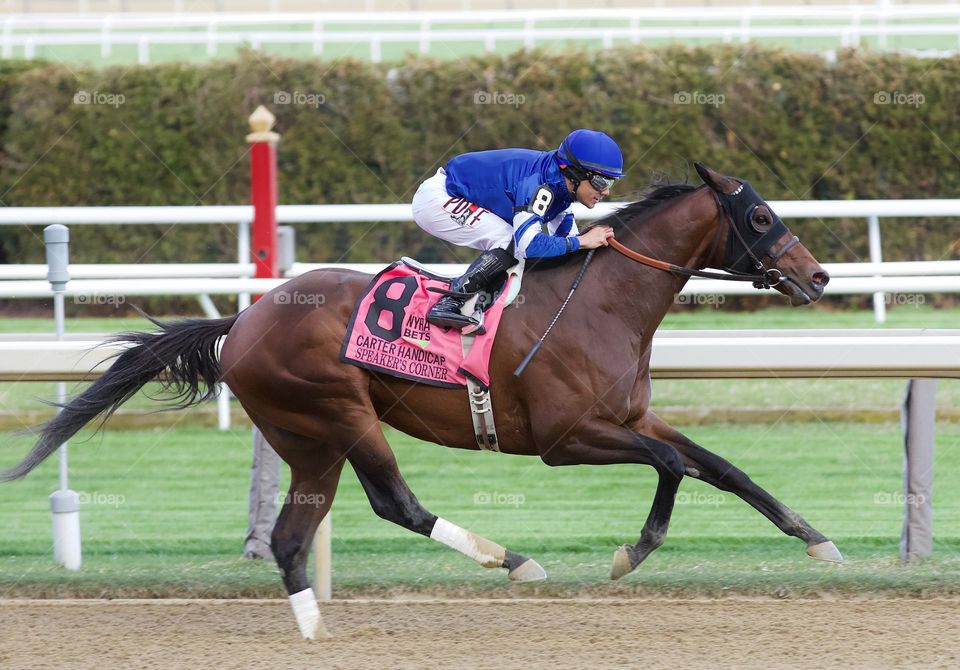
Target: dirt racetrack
(854,633)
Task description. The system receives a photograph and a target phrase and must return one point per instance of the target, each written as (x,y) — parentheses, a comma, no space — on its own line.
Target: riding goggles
(600,182)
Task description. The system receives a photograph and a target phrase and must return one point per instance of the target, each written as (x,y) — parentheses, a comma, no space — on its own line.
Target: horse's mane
(651,200)
(621,218)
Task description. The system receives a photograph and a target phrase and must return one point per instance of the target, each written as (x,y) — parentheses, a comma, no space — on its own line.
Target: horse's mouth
(798,296)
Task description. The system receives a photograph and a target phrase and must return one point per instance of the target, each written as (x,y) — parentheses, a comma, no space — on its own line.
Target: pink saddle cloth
(389,332)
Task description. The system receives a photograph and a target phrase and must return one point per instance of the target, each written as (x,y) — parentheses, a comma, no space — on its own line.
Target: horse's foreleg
(607,444)
(707,466)
(392,499)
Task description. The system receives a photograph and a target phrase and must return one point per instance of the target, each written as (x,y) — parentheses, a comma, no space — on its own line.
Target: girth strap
(481,408)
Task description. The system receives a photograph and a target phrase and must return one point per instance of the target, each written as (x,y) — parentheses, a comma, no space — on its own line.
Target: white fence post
(64,503)
(876,256)
(323,558)
(243,256)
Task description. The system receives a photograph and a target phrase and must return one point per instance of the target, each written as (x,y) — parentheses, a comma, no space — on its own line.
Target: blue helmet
(592,151)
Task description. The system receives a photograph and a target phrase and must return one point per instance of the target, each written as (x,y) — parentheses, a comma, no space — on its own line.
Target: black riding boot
(480,276)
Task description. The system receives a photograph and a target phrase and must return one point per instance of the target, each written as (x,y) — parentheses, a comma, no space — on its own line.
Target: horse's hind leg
(707,466)
(392,499)
(314,474)
(308,501)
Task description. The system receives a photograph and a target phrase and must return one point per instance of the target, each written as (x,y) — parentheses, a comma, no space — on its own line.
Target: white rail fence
(681,354)
(845,25)
(103,281)
(676,355)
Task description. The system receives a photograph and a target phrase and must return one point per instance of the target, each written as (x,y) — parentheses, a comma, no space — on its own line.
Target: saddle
(388,333)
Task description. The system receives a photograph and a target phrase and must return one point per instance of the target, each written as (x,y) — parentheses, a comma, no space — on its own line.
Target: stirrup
(477,327)
(457,323)
(450,319)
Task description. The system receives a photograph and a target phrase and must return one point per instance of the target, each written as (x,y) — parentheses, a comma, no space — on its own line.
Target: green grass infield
(163,513)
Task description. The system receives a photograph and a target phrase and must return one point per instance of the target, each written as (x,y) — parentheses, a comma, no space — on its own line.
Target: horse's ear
(715,180)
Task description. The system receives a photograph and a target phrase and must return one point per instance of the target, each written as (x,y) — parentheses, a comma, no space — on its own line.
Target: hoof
(622,563)
(319,633)
(825,551)
(528,571)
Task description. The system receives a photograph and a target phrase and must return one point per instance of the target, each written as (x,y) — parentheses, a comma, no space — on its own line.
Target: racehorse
(280,358)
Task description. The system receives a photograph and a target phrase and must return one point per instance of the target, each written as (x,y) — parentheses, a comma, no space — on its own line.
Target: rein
(764,278)
(678,269)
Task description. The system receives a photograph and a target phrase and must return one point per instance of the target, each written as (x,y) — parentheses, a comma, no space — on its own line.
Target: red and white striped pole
(263,192)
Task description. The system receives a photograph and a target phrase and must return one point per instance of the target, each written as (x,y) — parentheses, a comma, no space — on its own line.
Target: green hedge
(794,124)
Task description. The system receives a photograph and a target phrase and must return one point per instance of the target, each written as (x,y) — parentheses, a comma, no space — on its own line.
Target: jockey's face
(588,195)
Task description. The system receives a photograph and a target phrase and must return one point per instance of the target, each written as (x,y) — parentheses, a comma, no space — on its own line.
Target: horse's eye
(761,218)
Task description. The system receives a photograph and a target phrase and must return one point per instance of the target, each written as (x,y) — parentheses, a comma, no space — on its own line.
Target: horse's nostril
(821,278)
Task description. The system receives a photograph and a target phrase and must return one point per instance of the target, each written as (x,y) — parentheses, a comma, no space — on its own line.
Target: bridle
(763,277)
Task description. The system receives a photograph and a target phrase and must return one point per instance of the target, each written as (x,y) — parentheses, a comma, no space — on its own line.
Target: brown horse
(281,360)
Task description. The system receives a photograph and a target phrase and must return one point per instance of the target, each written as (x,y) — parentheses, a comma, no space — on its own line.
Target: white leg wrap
(484,552)
(307,612)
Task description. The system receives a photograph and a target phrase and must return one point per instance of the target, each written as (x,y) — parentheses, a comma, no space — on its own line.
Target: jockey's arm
(563,225)
(528,235)
(532,242)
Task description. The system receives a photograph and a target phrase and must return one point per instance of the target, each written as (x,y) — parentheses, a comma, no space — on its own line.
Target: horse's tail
(186,350)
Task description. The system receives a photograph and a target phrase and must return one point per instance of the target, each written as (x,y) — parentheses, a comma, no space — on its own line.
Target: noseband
(764,277)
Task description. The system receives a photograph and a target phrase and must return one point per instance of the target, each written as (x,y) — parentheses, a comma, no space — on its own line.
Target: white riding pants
(456,220)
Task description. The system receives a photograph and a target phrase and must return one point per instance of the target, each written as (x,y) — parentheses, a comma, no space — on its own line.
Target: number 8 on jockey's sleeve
(489,199)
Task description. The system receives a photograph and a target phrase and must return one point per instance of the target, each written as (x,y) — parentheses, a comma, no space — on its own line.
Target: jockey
(498,201)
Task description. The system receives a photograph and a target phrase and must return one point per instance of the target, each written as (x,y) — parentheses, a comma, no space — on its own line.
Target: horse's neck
(681,232)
